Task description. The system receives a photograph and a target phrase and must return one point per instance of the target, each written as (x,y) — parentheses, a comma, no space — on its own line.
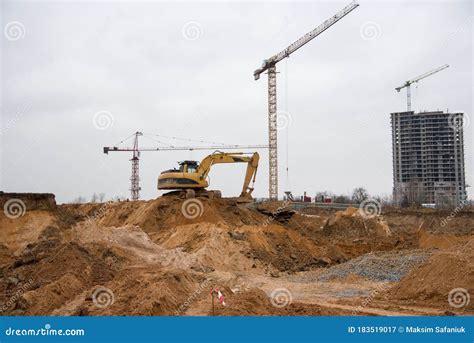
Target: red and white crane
(135,149)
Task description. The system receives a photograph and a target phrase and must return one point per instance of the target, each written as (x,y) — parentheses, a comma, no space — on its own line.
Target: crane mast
(269,65)
(408,83)
(135,178)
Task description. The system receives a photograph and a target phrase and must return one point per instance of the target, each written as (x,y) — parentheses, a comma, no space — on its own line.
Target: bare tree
(101,197)
(342,199)
(414,193)
(385,199)
(79,200)
(359,194)
(118,198)
(320,196)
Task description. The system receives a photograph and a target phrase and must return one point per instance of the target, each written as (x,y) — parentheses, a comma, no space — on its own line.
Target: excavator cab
(185,177)
(188,166)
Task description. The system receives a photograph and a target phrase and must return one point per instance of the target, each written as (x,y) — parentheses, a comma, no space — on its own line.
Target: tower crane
(269,65)
(136,150)
(408,83)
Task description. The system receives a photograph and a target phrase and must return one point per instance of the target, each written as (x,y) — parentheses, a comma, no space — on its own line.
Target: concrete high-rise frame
(428,158)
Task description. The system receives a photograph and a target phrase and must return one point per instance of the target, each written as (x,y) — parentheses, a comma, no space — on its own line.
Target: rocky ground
(165,256)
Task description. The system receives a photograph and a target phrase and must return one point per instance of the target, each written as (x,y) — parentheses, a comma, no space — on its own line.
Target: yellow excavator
(191,177)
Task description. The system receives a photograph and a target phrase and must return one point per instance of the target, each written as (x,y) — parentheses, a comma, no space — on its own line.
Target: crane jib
(422,76)
(305,39)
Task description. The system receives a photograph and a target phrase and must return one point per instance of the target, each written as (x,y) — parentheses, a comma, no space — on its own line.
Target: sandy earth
(153,258)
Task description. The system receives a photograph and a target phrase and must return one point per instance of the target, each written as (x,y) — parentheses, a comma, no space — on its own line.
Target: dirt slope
(154,258)
(444,271)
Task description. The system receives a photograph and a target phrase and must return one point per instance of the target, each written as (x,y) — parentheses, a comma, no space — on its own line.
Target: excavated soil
(432,281)
(161,257)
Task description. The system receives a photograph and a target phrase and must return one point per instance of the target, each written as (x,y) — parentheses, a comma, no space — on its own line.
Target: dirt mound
(225,235)
(160,258)
(350,224)
(356,235)
(246,248)
(138,292)
(17,233)
(159,215)
(427,240)
(431,220)
(347,234)
(52,295)
(445,271)
(286,250)
(53,269)
(131,244)
(21,202)
(213,247)
(309,224)
(60,271)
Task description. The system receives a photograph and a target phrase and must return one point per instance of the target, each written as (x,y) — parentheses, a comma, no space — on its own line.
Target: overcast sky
(77,76)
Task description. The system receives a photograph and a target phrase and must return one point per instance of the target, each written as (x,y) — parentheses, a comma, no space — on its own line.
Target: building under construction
(428,158)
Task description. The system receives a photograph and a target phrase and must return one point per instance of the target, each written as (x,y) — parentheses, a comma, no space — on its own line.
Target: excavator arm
(250,175)
(235,157)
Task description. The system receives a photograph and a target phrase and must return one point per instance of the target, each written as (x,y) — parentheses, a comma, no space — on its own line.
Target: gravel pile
(377,266)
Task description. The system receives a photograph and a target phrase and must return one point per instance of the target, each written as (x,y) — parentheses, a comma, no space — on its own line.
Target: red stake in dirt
(217,293)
